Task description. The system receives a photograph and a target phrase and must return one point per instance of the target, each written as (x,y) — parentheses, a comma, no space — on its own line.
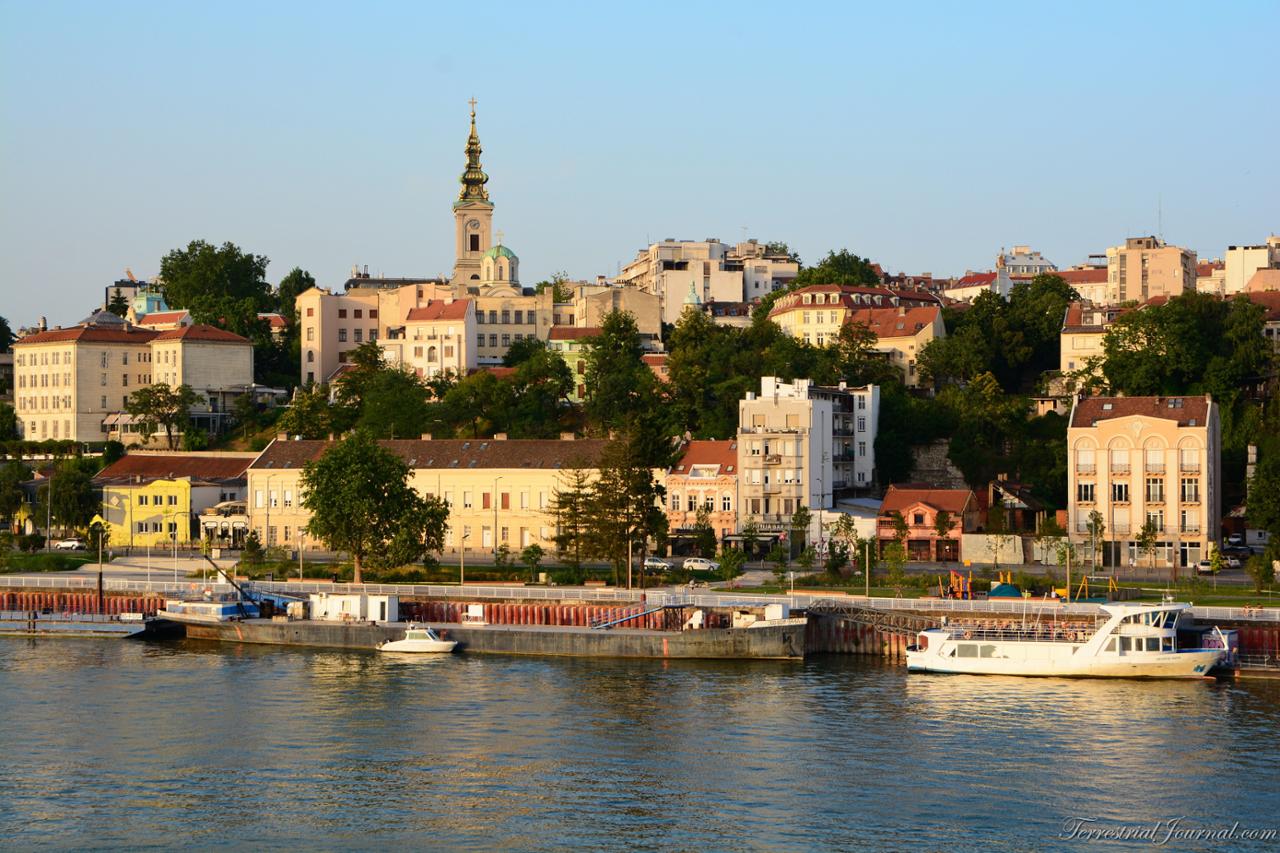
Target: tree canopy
(221,285)
(361,502)
(158,407)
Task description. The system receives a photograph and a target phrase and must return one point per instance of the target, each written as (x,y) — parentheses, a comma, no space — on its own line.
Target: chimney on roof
(902,310)
(426,436)
(44,324)
(566,436)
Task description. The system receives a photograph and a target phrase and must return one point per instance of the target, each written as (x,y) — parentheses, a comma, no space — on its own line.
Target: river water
(128,744)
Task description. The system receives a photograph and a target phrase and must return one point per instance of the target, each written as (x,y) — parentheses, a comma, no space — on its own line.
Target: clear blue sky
(925,136)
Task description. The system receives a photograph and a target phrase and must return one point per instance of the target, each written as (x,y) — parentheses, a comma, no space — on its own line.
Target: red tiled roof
(438,309)
(1269,300)
(1097,275)
(974,279)
(900,498)
(1181,409)
(159,466)
(499,371)
(90,334)
(889,323)
(723,454)
(160,317)
(202,332)
(658,359)
(450,453)
(276,321)
(1207,268)
(574,333)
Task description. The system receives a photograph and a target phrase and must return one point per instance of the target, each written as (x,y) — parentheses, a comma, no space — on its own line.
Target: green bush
(31,542)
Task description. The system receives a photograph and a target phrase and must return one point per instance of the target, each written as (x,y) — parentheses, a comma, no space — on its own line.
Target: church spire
(474,178)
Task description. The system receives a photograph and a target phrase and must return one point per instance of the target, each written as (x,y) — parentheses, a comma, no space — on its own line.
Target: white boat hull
(1188,664)
(439,647)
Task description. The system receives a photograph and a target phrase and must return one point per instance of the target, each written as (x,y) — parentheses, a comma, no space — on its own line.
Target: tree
(8,423)
(394,404)
(252,554)
(361,502)
(704,535)
(800,520)
(1097,529)
(942,522)
(522,350)
(296,282)
(1261,570)
(311,415)
(841,267)
(779,249)
(844,532)
(779,557)
(559,284)
(6,335)
(221,285)
(731,561)
(159,406)
(118,304)
(531,556)
(895,559)
(12,475)
(1146,542)
(619,384)
(568,510)
(750,537)
(69,497)
(998,532)
(1216,561)
(624,504)
(1263,507)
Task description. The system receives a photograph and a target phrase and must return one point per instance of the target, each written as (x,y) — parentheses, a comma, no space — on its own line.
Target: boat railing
(58,616)
(1062,632)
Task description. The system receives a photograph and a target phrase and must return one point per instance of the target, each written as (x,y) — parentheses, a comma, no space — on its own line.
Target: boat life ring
(968,635)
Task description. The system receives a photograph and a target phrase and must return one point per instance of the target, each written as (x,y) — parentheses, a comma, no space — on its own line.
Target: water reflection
(109,742)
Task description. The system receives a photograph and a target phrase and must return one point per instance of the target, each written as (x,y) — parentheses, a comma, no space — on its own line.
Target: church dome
(500,251)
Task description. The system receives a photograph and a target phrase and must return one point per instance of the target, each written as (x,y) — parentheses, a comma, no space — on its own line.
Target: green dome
(500,251)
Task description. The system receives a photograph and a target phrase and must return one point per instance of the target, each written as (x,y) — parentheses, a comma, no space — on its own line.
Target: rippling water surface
(125,744)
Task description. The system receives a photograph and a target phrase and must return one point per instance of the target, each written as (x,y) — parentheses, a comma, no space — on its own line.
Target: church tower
(472,214)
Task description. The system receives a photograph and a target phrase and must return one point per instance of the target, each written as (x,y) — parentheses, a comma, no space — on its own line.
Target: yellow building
(570,343)
(1139,459)
(149,498)
(499,491)
(1145,267)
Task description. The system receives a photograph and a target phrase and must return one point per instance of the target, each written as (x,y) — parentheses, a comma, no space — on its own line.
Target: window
(493,340)
(1189,520)
(862,448)
(675,502)
(473,242)
(1084,493)
(342,336)
(373,313)
(1156,519)
(288,497)
(726,503)
(358,313)
(691,504)
(484,500)
(1189,459)
(142,500)
(311,356)
(342,313)
(257,498)
(504,501)
(1155,490)
(311,333)
(1190,490)
(862,424)
(359,335)
(1120,493)
(493,317)
(173,500)
(466,500)
(506,316)
(917,519)
(506,339)
(519,318)
(311,312)
(479,340)
(1120,460)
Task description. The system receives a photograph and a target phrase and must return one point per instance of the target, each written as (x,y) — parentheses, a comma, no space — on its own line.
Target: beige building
(1084,327)
(1211,277)
(1134,459)
(499,491)
(1089,282)
(1243,261)
(709,270)
(704,479)
(75,383)
(434,339)
(903,321)
(801,444)
(1146,267)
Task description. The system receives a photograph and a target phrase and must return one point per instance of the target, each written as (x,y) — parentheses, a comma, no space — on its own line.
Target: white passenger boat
(419,639)
(1127,641)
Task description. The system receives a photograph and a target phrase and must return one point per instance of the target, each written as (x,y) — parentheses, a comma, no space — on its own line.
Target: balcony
(772,459)
(1155,467)
(772,488)
(1191,528)
(1120,468)
(1120,527)
(1189,467)
(1086,468)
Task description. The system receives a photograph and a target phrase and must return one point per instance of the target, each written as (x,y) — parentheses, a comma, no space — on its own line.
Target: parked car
(701,564)
(72,544)
(1204,567)
(656,564)
(1233,562)
(1235,540)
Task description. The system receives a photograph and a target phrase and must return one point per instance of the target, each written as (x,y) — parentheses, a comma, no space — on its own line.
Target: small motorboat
(419,639)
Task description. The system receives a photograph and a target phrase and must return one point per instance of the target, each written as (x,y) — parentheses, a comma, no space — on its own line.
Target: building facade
(705,480)
(499,491)
(920,506)
(434,340)
(1146,267)
(1137,459)
(570,343)
(1022,261)
(1243,261)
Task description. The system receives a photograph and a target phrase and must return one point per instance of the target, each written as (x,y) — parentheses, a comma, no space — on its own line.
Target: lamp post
(462,560)
(495,514)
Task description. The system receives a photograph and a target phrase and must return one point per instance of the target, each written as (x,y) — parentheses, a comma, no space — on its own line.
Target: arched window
(431,353)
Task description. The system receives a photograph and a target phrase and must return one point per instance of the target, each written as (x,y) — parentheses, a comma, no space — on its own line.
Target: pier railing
(654,597)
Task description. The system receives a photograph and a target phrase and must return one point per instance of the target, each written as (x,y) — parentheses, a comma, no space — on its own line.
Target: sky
(924,136)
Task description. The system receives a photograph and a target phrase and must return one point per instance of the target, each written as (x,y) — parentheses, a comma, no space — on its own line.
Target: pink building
(706,477)
(919,506)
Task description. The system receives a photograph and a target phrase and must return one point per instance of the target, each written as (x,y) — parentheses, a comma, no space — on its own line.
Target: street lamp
(174,515)
(495,514)
(462,560)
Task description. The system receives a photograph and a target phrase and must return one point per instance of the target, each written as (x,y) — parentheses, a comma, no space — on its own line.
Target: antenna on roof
(1160,215)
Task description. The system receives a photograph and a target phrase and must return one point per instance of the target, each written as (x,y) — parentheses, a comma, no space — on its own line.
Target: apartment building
(1243,261)
(434,339)
(217,364)
(1139,459)
(1089,282)
(151,499)
(714,270)
(67,382)
(571,344)
(920,505)
(1084,328)
(1022,261)
(801,444)
(1146,267)
(499,491)
(704,479)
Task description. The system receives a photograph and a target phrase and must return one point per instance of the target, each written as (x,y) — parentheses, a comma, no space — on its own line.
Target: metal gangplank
(884,621)
(610,623)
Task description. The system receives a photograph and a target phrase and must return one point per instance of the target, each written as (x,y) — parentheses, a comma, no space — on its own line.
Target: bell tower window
(473,242)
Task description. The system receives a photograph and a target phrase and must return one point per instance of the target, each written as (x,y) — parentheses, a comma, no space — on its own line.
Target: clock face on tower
(474,225)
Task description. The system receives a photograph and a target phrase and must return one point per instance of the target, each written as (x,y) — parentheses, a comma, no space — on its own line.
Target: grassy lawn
(45,562)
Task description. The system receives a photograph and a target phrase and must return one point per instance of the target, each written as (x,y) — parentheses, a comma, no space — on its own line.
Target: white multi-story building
(1024,263)
(681,272)
(1243,261)
(801,444)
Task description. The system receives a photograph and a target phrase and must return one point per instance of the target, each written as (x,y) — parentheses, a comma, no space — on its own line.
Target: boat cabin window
(1167,645)
(1153,644)
(1126,644)
(967,650)
(1111,644)
(986,651)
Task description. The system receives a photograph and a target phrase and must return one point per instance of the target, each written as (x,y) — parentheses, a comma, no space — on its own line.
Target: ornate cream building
(1134,459)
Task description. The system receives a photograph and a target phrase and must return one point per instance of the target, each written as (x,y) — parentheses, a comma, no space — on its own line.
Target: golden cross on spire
(472,102)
